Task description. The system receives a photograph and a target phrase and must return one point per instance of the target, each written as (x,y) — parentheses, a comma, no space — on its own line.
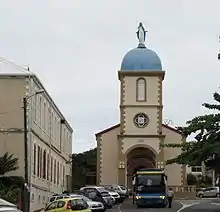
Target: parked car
(9,209)
(93,205)
(98,194)
(115,195)
(208,192)
(121,190)
(7,206)
(65,205)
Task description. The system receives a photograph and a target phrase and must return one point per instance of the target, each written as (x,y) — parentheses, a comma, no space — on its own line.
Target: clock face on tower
(141,120)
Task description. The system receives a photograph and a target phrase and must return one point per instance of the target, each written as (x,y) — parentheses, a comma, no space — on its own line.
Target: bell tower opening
(139,158)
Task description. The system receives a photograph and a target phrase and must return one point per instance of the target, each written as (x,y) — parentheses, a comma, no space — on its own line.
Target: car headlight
(162,197)
(138,197)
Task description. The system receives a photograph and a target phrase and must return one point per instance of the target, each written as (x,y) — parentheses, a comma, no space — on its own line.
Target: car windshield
(123,188)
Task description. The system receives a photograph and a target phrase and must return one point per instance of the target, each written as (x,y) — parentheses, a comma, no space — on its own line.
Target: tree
(8,163)
(191,179)
(206,146)
(10,186)
(83,163)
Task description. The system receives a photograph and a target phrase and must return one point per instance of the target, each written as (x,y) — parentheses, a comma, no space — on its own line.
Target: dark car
(99,195)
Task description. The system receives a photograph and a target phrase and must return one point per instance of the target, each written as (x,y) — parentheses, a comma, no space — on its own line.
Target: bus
(150,187)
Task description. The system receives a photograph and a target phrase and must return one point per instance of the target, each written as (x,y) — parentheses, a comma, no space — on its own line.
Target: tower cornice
(141,73)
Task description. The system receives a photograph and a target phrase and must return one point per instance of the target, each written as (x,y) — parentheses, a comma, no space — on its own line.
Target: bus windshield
(150,183)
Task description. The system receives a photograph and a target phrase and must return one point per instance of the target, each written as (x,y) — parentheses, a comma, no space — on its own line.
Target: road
(199,205)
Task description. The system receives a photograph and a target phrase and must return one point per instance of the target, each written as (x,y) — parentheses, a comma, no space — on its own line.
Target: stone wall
(184,192)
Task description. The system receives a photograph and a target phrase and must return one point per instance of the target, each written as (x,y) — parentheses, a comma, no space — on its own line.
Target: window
(52,125)
(35,150)
(38,161)
(44,164)
(45,117)
(196,169)
(52,199)
(40,112)
(32,197)
(55,171)
(58,169)
(51,206)
(41,154)
(48,121)
(141,89)
(79,203)
(48,166)
(35,107)
(60,204)
(63,175)
(43,199)
(51,172)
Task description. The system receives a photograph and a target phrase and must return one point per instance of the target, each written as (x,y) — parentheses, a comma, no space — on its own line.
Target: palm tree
(8,163)
(9,185)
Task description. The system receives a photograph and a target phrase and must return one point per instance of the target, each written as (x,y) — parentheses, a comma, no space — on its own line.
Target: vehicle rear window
(105,194)
(79,202)
(102,190)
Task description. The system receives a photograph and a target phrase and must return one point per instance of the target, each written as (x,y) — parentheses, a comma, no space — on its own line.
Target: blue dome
(141,59)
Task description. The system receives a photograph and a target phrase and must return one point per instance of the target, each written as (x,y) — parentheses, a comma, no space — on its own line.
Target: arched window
(64,175)
(38,161)
(48,166)
(35,157)
(141,89)
(44,164)
(51,169)
(41,162)
(55,172)
(58,174)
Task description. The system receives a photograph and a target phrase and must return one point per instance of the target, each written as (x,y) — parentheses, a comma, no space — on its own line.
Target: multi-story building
(49,136)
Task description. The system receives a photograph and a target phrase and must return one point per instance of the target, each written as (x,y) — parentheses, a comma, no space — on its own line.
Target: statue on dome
(141,34)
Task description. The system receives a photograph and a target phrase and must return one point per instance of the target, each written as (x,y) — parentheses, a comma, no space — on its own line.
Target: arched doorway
(138,158)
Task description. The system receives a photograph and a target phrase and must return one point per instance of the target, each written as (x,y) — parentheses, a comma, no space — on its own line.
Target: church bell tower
(141,105)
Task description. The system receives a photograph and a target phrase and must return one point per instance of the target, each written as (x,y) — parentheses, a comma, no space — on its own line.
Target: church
(135,142)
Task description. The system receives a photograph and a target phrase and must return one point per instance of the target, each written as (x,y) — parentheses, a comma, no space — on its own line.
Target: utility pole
(26,193)
(26,203)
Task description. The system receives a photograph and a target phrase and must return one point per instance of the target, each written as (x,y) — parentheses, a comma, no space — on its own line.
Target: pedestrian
(170,196)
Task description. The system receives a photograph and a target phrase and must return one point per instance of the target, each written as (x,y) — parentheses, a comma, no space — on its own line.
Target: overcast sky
(76,48)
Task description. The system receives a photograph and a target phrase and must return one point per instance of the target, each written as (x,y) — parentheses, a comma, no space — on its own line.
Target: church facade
(136,141)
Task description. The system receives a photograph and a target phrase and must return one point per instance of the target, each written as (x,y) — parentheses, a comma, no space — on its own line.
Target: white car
(115,196)
(94,206)
(9,209)
(7,206)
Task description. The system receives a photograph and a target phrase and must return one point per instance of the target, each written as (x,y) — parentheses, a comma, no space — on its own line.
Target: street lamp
(26,204)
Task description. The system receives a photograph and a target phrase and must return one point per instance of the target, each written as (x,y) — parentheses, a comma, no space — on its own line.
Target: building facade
(136,141)
(49,136)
